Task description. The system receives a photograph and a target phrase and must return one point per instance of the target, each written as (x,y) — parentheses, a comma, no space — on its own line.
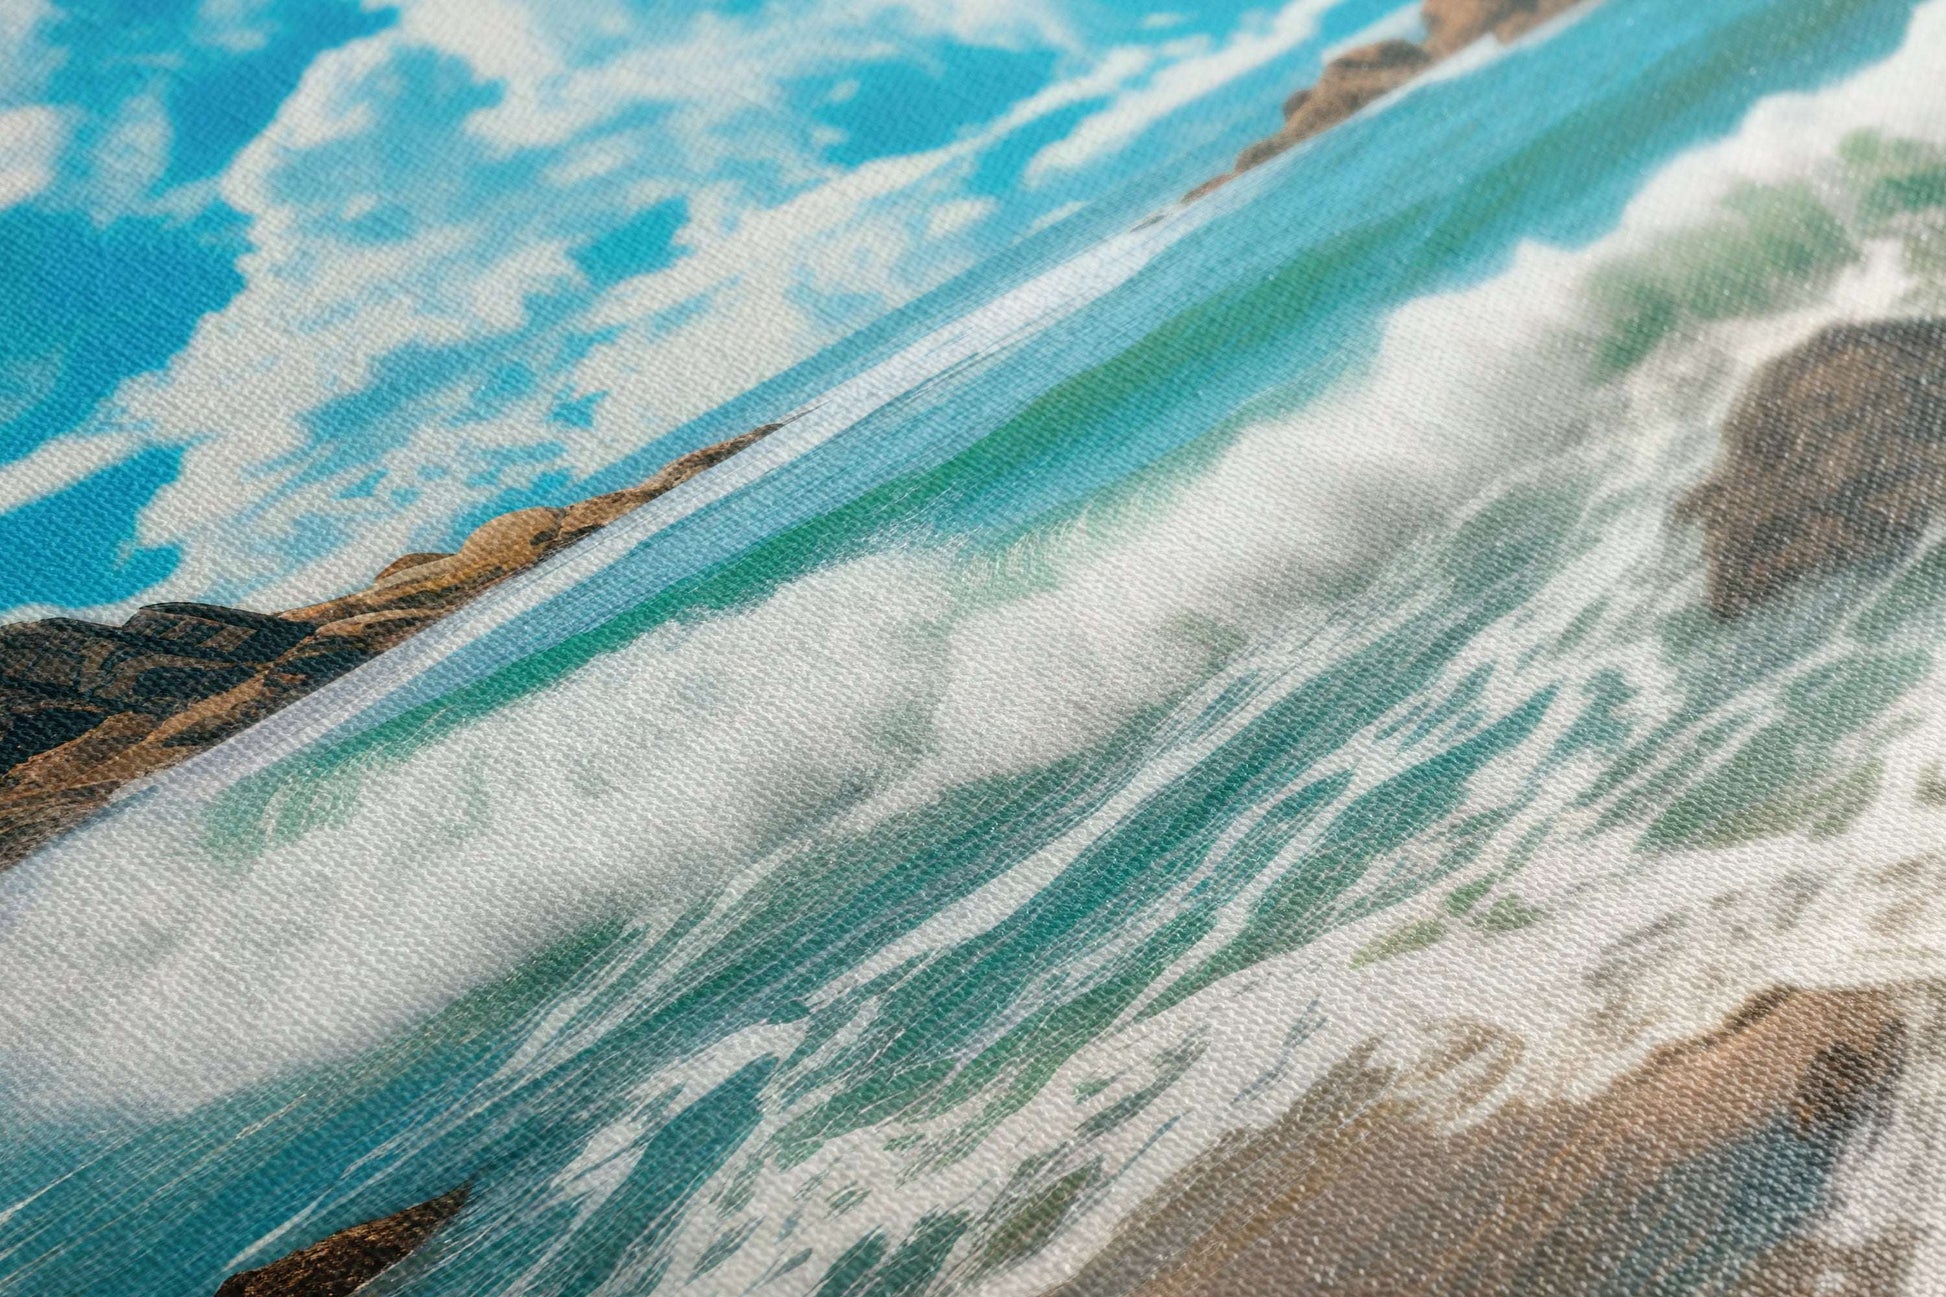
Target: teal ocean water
(1143,672)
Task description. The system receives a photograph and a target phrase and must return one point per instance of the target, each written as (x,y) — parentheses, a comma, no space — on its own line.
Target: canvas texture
(884,648)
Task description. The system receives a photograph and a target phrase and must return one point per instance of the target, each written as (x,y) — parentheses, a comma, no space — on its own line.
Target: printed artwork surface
(865,648)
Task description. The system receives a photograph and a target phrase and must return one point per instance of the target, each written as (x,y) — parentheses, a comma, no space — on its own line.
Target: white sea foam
(656,773)
(143,969)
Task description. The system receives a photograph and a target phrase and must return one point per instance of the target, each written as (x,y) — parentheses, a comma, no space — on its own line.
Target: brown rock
(404,561)
(1391,1182)
(1452,25)
(64,658)
(1835,453)
(1209,186)
(213,720)
(1350,82)
(500,547)
(374,632)
(496,550)
(1369,73)
(510,542)
(593,514)
(53,792)
(320,661)
(30,821)
(350,642)
(75,762)
(1525,15)
(237,634)
(32,722)
(47,795)
(338,1265)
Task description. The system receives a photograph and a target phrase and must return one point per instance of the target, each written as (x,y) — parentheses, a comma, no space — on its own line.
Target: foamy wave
(143,967)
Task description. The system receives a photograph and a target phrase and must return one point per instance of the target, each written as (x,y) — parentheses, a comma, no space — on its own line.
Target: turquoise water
(913,1007)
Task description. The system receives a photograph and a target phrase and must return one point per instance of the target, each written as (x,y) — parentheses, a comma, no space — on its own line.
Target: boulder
(340,1264)
(76,761)
(507,543)
(1209,186)
(495,550)
(1353,80)
(437,584)
(1428,1179)
(350,642)
(1371,72)
(215,719)
(368,633)
(1452,25)
(31,820)
(1836,452)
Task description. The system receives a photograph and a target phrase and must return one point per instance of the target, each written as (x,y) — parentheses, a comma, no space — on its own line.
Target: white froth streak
(354,702)
(145,971)
(1552,986)
(655,775)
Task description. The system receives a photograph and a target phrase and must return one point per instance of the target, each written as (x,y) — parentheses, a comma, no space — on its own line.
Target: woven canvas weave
(889,648)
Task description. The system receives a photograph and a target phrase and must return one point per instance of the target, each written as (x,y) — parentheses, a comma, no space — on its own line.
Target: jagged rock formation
(1350,81)
(1370,72)
(85,708)
(1835,453)
(348,1259)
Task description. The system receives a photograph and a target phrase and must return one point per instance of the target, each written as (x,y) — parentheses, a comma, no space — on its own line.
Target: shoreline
(87,708)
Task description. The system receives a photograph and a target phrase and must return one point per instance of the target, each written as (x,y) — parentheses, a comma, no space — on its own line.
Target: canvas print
(877,648)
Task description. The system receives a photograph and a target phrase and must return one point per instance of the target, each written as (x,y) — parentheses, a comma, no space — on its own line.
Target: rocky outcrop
(1350,82)
(1835,453)
(84,708)
(160,661)
(1362,76)
(1452,25)
(1403,1181)
(348,1259)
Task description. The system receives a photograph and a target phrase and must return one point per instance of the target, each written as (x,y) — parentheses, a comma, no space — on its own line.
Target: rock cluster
(84,708)
(342,1263)
(1415,1181)
(1835,453)
(1370,72)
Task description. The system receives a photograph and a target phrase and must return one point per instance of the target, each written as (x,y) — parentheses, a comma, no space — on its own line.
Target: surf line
(435,661)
